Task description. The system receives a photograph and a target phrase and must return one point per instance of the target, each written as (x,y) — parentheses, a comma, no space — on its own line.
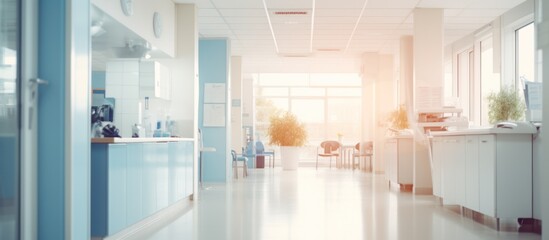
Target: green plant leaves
(505,105)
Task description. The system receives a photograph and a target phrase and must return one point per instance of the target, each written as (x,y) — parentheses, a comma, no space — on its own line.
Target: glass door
(10,32)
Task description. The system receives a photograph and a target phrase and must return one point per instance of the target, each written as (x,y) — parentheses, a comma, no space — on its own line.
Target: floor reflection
(323,204)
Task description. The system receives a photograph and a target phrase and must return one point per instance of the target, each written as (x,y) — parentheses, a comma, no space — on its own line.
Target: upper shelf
(138,140)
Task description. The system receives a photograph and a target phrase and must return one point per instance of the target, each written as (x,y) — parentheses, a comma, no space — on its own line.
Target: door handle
(38,81)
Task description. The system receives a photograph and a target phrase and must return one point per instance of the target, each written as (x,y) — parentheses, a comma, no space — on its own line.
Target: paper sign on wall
(214,93)
(214,115)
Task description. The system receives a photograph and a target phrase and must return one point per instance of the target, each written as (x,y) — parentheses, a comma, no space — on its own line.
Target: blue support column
(213,58)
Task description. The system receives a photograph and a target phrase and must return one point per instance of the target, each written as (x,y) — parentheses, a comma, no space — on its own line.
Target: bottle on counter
(158,130)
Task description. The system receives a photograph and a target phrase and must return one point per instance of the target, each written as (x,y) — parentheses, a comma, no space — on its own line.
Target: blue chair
(237,159)
(260,151)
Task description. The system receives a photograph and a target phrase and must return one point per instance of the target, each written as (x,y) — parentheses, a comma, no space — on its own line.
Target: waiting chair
(244,166)
(362,151)
(260,151)
(330,149)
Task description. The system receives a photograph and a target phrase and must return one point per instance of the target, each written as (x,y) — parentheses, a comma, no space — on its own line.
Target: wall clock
(127,7)
(157,24)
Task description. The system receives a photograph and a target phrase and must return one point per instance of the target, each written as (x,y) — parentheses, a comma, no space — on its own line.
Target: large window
(525,54)
(328,104)
(489,82)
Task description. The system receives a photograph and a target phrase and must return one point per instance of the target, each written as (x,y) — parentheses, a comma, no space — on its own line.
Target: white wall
(141,22)
(184,71)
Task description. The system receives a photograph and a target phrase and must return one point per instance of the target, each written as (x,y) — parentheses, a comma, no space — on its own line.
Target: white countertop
(138,140)
(487,130)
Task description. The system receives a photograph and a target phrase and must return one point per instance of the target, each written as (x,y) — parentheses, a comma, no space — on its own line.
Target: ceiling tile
(452,12)
(199,3)
(334,26)
(216,20)
(237,20)
(375,12)
(242,4)
(336,12)
(482,12)
(246,12)
(392,4)
(445,3)
(251,31)
(293,4)
(208,12)
(333,20)
(250,26)
(220,26)
(450,20)
(383,19)
(348,4)
(214,32)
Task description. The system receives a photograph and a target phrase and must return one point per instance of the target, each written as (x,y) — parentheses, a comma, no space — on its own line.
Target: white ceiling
(332,29)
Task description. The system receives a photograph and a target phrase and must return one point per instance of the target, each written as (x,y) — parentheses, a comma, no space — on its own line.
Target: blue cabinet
(134,179)
(108,186)
(149,178)
(188,152)
(130,182)
(162,177)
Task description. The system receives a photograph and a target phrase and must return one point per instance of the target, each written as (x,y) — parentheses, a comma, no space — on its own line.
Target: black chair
(330,149)
(244,166)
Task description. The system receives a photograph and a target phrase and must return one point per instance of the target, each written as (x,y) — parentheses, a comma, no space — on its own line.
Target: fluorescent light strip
(312,26)
(356,25)
(270,26)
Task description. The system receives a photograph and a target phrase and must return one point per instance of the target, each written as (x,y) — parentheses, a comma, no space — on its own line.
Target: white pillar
(406,69)
(428,72)
(370,74)
(186,26)
(384,104)
(236,103)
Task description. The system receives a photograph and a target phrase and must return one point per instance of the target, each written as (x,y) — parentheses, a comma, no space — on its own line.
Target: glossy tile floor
(323,204)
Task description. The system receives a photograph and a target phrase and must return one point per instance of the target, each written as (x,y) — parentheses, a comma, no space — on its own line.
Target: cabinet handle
(484,141)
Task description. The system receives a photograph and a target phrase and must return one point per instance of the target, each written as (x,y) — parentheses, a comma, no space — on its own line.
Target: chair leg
(245,170)
(330,162)
(317,162)
(235,170)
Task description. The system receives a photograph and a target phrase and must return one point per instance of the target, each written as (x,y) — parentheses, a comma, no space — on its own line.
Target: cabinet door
(189,167)
(487,174)
(437,156)
(453,170)
(405,161)
(177,171)
(134,178)
(472,188)
(162,175)
(149,179)
(116,188)
(391,160)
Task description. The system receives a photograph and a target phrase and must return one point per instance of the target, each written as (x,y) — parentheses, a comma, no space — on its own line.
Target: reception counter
(133,178)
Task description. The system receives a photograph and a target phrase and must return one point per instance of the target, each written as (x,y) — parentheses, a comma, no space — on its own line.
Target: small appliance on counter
(101,122)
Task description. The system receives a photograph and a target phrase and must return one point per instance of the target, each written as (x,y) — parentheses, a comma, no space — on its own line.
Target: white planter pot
(290,157)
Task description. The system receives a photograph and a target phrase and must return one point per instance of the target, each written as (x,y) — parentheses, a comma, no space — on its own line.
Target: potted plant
(398,119)
(505,105)
(288,133)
